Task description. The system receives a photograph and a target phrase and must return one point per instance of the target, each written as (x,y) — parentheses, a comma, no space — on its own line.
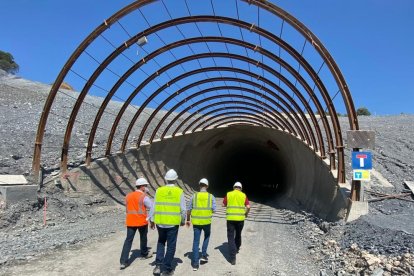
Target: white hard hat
(203,181)
(238,185)
(171,175)
(141,181)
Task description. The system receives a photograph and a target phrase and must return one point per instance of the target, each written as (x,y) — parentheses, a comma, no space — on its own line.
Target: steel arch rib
(235,80)
(286,124)
(261,105)
(230,117)
(230,105)
(235,123)
(324,53)
(198,56)
(266,5)
(289,98)
(269,119)
(165,48)
(238,122)
(209,18)
(239,113)
(237,88)
(149,79)
(298,123)
(172,23)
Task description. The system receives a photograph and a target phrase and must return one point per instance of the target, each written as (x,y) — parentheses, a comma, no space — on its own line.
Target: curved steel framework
(262,102)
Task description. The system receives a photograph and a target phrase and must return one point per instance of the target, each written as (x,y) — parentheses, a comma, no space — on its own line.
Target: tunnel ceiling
(184,65)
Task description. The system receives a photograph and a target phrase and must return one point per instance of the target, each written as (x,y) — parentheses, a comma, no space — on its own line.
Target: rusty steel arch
(286,125)
(292,119)
(230,106)
(259,104)
(240,121)
(235,114)
(234,117)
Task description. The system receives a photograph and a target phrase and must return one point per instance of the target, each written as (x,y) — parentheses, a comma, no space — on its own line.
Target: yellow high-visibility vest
(167,205)
(202,210)
(235,205)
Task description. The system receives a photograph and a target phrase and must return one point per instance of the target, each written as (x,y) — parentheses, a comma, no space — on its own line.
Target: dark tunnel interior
(257,164)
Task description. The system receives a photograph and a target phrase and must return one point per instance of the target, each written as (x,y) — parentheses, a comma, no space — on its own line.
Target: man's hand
(152,225)
(188,223)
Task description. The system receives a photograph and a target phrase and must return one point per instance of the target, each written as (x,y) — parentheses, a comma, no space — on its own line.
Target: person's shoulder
(178,188)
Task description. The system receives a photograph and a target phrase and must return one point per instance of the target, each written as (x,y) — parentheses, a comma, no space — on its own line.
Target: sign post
(361,161)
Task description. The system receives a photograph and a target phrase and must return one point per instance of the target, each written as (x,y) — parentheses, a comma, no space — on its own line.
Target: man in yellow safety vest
(238,208)
(168,212)
(201,209)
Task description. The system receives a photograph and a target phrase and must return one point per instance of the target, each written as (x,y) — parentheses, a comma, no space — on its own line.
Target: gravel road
(261,252)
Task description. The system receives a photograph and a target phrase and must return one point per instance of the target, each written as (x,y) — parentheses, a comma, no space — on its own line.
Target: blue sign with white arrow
(361,160)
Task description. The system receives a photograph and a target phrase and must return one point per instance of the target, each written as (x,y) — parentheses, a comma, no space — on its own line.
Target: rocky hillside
(21,104)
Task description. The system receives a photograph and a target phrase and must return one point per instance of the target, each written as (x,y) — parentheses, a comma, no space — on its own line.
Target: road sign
(361,160)
(361,175)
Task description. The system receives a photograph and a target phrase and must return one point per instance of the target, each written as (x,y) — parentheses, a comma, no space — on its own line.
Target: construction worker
(238,208)
(137,204)
(200,210)
(168,212)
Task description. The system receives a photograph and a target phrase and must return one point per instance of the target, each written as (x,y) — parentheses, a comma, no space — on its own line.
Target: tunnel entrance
(270,164)
(257,164)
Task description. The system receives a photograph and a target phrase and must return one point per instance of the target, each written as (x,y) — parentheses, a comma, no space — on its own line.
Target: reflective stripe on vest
(167,205)
(136,212)
(235,205)
(202,210)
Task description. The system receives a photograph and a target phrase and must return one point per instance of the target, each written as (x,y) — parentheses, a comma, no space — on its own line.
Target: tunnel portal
(259,167)
(270,164)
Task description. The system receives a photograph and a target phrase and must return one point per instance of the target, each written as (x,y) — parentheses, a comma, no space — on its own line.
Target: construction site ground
(263,252)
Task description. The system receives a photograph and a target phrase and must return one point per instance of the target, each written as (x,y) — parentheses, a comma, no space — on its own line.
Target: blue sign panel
(361,160)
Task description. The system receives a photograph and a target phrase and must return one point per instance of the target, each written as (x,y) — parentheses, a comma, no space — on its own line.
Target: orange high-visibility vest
(136,212)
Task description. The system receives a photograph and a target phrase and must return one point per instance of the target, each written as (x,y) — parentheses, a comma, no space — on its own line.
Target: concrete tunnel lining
(270,164)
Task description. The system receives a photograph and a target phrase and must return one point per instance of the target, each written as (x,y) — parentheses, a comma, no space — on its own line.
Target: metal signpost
(361,160)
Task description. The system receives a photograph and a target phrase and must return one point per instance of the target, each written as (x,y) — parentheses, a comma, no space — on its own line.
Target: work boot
(123,266)
(168,273)
(233,261)
(157,270)
(204,259)
(149,255)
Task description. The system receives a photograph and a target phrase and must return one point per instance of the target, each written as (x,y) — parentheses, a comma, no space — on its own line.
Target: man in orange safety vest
(137,205)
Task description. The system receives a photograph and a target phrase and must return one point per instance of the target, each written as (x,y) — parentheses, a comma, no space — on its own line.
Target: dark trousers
(234,229)
(169,236)
(143,231)
(196,242)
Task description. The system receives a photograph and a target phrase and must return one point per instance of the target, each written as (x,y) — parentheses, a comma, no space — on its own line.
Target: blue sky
(372,41)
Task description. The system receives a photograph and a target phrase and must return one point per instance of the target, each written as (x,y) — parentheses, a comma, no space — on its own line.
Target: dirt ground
(269,248)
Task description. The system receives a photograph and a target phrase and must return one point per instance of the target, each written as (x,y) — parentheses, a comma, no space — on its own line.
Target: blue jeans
(143,230)
(196,242)
(169,236)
